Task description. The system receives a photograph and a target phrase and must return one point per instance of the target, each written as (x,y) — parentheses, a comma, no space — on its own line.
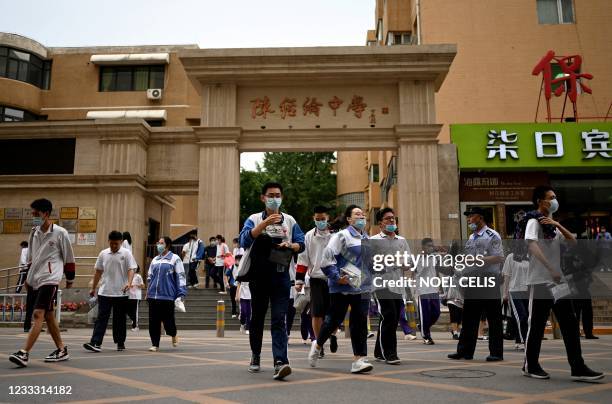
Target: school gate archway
(319,99)
(279,99)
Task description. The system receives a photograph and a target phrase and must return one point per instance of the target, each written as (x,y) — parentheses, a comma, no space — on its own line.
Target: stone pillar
(219,188)
(418,186)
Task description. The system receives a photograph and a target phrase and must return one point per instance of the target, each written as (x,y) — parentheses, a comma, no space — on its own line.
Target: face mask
(473,226)
(391,228)
(37,221)
(554,206)
(161,248)
(273,203)
(213,243)
(359,224)
(321,224)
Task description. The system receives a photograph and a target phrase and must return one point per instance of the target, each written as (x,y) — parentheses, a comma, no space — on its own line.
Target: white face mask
(554,206)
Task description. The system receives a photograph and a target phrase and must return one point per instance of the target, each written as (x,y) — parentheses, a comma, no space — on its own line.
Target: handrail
(22,296)
(5,273)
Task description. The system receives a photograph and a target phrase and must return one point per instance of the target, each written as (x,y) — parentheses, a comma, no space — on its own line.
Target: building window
(555,11)
(353,198)
(24,66)
(53,156)
(9,114)
(398,38)
(131,78)
(374,176)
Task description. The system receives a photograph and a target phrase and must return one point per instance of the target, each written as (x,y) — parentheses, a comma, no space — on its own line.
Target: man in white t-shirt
(115,267)
(192,253)
(544,235)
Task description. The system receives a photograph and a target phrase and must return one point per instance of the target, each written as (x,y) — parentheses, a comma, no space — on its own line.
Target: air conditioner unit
(154,93)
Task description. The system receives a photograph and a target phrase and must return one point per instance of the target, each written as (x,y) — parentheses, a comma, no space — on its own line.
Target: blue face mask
(37,221)
(273,203)
(161,248)
(359,224)
(473,226)
(391,228)
(321,224)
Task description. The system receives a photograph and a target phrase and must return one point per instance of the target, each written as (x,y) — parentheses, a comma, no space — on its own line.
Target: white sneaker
(135,329)
(361,366)
(242,329)
(410,337)
(234,315)
(313,355)
(247,332)
(189,287)
(196,285)
(519,347)
(154,349)
(175,341)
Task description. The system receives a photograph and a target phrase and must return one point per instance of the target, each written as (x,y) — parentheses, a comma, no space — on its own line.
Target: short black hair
(235,240)
(220,237)
(127,236)
(23,244)
(42,205)
(381,214)
(193,234)
(320,209)
(349,210)
(426,240)
(115,235)
(212,238)
(269,185)
(167,241)
(539,193)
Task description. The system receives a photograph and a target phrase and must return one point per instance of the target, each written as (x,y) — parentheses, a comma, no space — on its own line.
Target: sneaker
(247,332)
(189,287)
(333,344)
(313,355)
(519,347)
(456,336)
(304,342)
(361,366)
(135,329)
(222,292)
(492,358)
(322,353)
(410,337)
(379,358)
(153,349)
(393,360)
(536,374)
(281,370)
(483,338)
(428,341)
(254,365)
(92,347)
(234,315)
(175,341)
(120,347)
(371,334)
(58,355)
(242,329)
(458,355)
(586,374)
(196,285)
(20,358)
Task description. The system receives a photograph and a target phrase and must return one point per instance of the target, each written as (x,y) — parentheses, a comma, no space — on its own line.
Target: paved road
(213,370)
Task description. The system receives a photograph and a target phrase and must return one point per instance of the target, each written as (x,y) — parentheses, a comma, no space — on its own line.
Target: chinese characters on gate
(288,107)
(502,145)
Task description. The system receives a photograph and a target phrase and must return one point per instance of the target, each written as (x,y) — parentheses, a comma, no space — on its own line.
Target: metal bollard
(220,318)
(347,329)
(411,314)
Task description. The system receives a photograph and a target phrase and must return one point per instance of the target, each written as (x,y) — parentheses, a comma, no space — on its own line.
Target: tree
(307,178)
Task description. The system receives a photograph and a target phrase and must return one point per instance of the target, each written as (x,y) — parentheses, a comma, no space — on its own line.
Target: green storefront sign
(554,147)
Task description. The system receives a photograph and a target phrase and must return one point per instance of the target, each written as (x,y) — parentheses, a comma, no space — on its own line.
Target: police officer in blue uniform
(480,298)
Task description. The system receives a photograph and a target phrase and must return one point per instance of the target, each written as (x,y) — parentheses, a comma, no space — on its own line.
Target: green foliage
(307,178)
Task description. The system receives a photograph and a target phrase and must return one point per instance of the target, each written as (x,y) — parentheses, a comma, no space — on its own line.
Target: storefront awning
(131,59)
(152,114)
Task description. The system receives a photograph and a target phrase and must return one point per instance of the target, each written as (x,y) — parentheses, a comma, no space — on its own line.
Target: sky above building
(207,23)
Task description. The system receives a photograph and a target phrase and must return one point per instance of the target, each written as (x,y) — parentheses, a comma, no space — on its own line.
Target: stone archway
(315,99)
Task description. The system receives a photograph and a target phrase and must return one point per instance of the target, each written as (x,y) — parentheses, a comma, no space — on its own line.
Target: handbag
(301,301)
(281,256)
(353,273)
